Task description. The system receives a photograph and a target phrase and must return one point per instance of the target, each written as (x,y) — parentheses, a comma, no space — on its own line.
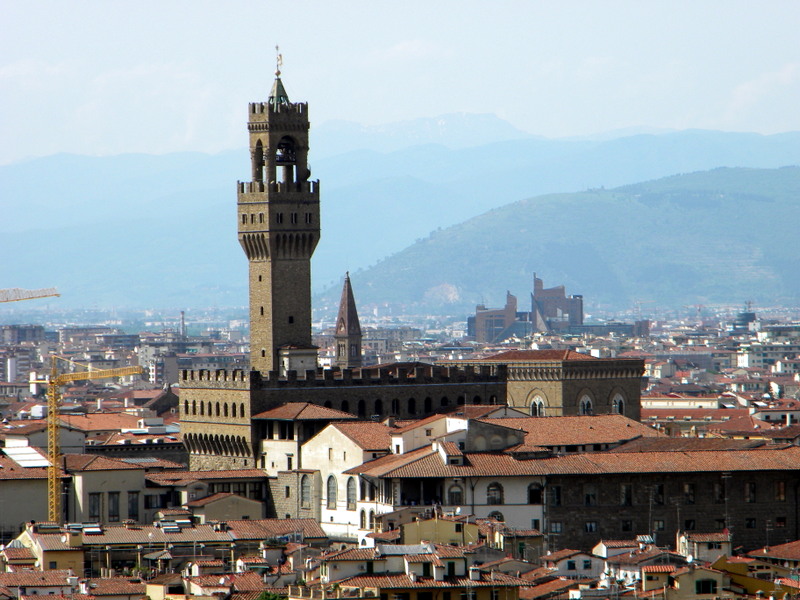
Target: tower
(278,219)
(348,329)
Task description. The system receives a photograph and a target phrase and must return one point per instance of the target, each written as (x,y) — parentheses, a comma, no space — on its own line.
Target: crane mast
(53,443)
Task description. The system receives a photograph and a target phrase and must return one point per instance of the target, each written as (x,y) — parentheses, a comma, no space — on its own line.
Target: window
(362,519)
(688,493)
(555,527)
(94,506)
(239,488)
(113,506)
(590,526)
(749,491)
(555,495)
(689,524)
(626,494)
(705,586)
(658,494)
(780,522)
(279,218)
(780,491)
(459,527)
(455,495)
(287,492)
(589,494)
(534,493)
(133,505)
(618,404)
(587,564)
(305,491)
(719,492)
(494,493)
(626,525)
(293,217)
(585,406)
(308,219)
(659,525)
(53,566)
(719,524)
(332,493)
(750,523)
(351,493)
(536,524)
(497,516)
(571,565)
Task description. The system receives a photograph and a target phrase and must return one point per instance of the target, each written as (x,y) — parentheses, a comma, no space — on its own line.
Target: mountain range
(159,231)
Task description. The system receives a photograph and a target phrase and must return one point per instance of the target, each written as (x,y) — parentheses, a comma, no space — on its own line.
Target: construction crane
(53,400)
(16,294)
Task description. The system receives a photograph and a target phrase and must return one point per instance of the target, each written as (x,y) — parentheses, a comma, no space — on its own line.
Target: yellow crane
(15,294)
(53,400)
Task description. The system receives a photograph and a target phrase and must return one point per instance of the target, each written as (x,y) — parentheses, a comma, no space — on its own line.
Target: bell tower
(278,219)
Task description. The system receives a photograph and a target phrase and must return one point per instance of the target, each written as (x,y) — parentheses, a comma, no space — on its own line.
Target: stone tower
(348,330)
(278,217)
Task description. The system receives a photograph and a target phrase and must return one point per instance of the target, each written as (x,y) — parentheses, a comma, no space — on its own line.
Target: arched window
(362,519)
(305,491)
(535,493)
(351,493)
(494,493)
(477,400)
(216,408)
(395,406)
(332,492)
(194,407)
(497,516)
(233,409)
(363,490)
(618,404)
(444,402)
(455,495)
(345,406)
(186,406)
(585,406)
(537,406)
(412,406)
(328,404)
(362,409)
(427,404)
(202,408)
(225,409)
(372,520)
(241,409)
(460,400)
(378,407)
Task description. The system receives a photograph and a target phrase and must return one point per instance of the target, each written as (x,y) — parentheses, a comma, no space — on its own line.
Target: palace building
(278,216)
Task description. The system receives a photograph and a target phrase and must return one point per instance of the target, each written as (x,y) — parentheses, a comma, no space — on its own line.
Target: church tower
(278,218)
(348,330)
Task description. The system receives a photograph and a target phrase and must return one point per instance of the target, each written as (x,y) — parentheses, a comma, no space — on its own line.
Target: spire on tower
(348,329)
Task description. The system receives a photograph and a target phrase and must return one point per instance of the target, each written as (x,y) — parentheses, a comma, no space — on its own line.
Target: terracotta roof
(116,586)
(367,435)
(659,568)
(682,444)
(183,477)
(261,529)
(708,537)
(401,581)
(212,498)
(537,355)
(620,543)
(93,422)
(18,554)
(549,588)
(93,462)
(304,411)
(575,430)
(788,551)
(561,555)
(9,469)
(56,577)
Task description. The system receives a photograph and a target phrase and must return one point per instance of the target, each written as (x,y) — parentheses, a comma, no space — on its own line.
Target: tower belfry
(278,218)
(348,329)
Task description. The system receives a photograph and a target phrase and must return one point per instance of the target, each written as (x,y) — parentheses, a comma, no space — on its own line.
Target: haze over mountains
(143,231)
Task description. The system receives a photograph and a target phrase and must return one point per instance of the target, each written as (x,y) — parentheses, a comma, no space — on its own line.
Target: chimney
(474,574)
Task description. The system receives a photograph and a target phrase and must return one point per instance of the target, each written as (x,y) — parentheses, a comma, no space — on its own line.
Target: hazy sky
(107,77)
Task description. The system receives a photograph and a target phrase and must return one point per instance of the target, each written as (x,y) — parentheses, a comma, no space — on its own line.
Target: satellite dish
(63,539)
(458,510)
(690,559)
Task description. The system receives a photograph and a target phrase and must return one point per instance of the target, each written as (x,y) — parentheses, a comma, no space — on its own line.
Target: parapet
(292,187)
(217,378)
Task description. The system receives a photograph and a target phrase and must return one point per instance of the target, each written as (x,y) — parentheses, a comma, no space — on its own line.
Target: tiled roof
(209,499)
(19,554)
(659,568)
(682,444)
(401,581)
(561,555)
(11,470)
(708,537)
(304,411)
(576,430)
(367,435)
(537,355)
(261,529)
(620,543)
(53,541)
(183,477)
(142,535)
(788,551)
(549,589)
(35,578)
(93,462)
(116,586)
(93,422)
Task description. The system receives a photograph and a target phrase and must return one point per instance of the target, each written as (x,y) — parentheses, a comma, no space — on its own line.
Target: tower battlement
(220,378)
(261,111)
(282,187)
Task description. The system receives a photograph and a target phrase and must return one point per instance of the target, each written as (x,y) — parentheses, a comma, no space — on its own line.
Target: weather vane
(278,61)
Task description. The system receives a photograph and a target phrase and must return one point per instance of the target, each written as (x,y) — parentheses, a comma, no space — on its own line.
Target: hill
(725,235)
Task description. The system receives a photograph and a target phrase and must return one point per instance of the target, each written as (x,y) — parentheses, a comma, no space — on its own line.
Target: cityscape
(553,440)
